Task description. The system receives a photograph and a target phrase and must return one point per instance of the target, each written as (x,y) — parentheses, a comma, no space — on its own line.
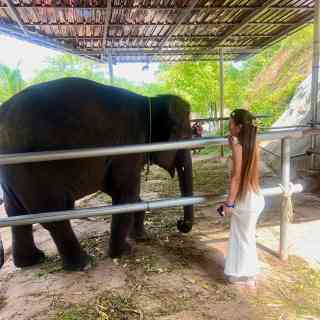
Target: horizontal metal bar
(299,155)
(99,211)
(141,148)
(120,209)
(226,118)
(270,152)
(310,152)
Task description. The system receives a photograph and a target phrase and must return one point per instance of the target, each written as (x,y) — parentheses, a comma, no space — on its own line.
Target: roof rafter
(15,14)
(106,26)
(190,37)
(281,34)
(179,27)
(209,24)
(246,20)
(160,8)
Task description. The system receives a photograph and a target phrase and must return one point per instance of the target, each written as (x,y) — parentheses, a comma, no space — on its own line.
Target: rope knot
(287,193)
(286,203)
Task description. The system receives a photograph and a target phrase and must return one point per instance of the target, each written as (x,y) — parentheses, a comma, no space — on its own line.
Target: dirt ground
(172,276)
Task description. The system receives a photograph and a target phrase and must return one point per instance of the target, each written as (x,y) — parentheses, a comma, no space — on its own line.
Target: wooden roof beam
(209,24)
(181,18)
(105,28)
(180,37)
(154,51)
(15,15)
(162,8)
(46,42)
(278,36)
(246,21)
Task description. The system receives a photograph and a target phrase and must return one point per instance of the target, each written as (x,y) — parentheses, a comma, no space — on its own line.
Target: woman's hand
(231,141)
(227,211)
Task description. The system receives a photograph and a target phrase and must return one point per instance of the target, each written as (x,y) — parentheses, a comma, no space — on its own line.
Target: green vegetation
(264,83)
(11,82)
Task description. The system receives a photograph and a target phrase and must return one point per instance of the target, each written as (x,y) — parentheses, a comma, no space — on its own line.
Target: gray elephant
(77,113)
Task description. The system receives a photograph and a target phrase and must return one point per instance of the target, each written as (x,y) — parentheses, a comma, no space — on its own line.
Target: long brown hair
(250,156)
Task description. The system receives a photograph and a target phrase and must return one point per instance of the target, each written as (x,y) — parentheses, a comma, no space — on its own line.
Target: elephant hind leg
(24,251)
(73,256)
(137,231)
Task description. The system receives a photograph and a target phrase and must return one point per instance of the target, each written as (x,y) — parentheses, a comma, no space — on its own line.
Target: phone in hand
(235,140)
(221,211)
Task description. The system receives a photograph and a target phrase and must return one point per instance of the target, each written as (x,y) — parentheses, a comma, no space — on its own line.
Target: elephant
(73,113)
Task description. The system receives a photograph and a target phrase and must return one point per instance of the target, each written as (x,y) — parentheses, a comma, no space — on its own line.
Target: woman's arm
(236,173)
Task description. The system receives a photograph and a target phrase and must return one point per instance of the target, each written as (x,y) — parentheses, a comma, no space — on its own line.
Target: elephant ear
(179,116)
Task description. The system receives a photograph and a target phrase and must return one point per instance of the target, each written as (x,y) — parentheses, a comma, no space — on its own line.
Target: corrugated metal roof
(154,30)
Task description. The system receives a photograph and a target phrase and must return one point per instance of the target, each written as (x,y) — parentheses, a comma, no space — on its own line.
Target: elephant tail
(1,253)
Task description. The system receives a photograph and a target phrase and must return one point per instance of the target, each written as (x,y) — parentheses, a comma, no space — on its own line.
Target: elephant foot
(139,236)
(116,251)
(36,257)
(184,226)
(76,263)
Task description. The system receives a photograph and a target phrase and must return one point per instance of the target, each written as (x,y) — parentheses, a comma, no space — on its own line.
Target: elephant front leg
(24,251)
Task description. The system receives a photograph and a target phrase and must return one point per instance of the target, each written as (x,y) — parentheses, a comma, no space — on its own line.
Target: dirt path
(172,276)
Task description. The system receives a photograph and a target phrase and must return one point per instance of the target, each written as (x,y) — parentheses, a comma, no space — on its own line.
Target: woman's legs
(242,260)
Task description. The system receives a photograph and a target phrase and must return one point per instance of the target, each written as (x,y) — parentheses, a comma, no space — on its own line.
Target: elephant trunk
(184,168)
(1,253)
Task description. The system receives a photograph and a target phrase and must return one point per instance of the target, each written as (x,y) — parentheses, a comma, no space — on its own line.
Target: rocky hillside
(283,67)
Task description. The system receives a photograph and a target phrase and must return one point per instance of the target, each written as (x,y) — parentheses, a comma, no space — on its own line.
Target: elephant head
(171,122)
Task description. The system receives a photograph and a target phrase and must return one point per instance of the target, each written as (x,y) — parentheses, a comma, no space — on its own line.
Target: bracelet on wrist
(229,204)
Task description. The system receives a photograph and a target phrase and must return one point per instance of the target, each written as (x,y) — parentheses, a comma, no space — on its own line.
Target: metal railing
(285,135)
(140,148)
(223,118)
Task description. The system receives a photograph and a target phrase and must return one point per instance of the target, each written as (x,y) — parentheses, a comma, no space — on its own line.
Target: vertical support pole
(315,75)
(110,66)
(221,78)
(285,177)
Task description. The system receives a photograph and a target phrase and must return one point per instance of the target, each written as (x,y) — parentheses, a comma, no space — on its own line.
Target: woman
(245,202)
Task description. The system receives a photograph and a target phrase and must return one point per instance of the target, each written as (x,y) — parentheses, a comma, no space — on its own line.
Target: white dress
(242,259)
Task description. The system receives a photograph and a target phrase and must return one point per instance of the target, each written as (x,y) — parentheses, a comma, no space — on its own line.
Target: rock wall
(298,113)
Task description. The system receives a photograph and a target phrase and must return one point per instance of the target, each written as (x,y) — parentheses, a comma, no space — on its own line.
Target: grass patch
(108,306)
(51,264)
(293,293)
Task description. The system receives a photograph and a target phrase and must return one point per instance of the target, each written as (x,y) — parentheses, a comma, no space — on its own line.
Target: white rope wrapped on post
(286,202)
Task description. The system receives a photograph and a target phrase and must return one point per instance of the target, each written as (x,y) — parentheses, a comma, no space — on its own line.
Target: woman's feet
(249,282)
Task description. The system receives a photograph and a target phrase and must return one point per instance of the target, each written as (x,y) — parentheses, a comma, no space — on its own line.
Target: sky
(31,58)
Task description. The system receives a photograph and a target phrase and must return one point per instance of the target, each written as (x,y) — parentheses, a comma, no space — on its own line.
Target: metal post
(221,96)
(315,75)
(110,66)
(285,177)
